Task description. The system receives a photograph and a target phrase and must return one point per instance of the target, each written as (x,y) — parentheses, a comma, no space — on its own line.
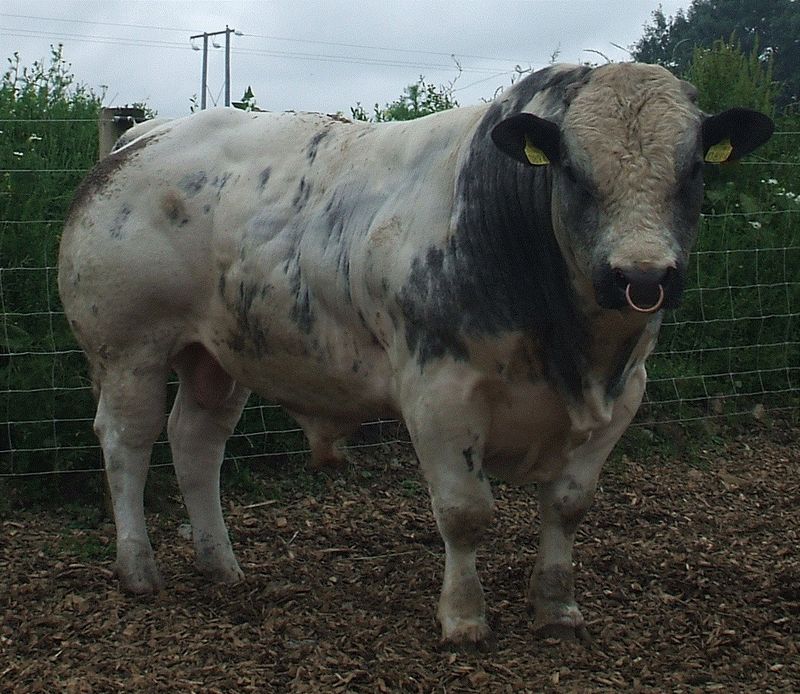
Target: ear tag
(535,156)
(720,152)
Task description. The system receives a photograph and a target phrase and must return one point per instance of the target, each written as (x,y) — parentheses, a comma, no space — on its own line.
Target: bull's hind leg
(206,409)
(130,416)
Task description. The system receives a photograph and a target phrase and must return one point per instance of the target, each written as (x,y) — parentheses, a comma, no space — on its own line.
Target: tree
(727,77)
(248,101)
(770,26)
(420,99)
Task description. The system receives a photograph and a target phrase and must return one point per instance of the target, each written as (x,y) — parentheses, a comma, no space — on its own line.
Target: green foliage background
(418,100)
(770,26)
(734,344)
(49,140)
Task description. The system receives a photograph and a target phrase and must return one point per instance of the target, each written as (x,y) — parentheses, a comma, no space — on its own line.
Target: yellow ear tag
(720,152)
(534,154)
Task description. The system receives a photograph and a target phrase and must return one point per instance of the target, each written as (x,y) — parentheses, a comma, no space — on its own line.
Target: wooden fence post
(114,122)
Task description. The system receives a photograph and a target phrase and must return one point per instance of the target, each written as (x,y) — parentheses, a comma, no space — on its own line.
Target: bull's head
(626,149)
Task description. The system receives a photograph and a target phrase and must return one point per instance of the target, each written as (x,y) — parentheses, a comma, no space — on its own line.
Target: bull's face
(626,157)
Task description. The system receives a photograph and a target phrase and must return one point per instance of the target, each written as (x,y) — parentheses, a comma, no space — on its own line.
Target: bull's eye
(569,172)
(579,188)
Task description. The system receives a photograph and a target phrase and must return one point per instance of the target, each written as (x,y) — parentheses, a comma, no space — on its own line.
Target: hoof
(333,462)
(468,636)
(144,580)
(228,575)
(217,562)
(563,632)
(562,621)
(136,568)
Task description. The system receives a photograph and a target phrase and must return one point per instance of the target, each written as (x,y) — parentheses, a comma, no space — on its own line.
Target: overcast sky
(317,55)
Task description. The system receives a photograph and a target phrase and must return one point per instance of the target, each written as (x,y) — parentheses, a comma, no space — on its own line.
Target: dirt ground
(688,576)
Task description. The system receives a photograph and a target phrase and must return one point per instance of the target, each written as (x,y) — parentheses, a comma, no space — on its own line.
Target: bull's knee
(566,502)
(464,524)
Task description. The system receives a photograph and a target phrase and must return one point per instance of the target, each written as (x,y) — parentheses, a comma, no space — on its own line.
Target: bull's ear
(734,133)
(532,140)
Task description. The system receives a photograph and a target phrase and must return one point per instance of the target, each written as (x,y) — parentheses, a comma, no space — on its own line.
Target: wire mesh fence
(733,348)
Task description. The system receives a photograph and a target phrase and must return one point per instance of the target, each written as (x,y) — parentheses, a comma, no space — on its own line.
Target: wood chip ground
(689,579)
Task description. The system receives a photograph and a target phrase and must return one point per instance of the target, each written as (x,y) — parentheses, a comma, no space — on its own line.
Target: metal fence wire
(732,349)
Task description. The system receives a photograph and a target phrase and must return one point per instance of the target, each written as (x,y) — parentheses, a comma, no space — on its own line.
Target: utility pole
(205,73)
(204,81)
(227,65)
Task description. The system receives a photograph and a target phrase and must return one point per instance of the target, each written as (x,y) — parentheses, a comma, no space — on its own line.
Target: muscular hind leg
(130,416)
(206,409)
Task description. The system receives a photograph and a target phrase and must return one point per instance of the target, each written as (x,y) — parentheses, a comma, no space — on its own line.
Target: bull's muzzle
(642,289)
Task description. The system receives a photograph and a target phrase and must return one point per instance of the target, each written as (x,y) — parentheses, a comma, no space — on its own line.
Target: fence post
(114,122)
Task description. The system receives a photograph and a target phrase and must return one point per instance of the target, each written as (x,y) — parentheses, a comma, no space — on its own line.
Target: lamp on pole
(204,80)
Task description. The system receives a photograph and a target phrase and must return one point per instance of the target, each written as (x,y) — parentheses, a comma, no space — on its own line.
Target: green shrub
(49,140)
(418,100)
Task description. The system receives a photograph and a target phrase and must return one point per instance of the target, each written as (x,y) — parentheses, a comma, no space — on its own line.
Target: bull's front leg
(449,443)
(563,502)
(463,507)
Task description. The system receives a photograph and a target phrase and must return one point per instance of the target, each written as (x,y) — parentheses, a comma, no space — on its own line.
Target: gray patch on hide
(193,183)
(116,230)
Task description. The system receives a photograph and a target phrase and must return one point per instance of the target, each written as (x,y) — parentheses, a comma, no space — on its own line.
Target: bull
(493,275)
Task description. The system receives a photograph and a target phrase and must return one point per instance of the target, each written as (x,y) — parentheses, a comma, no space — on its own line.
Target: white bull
(504,309)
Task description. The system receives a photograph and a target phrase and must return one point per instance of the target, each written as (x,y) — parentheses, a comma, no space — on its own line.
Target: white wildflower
(18,154)
(755,225)
(772,181)
(34,138)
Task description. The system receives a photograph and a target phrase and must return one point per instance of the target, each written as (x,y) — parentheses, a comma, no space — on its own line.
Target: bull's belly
(328,374)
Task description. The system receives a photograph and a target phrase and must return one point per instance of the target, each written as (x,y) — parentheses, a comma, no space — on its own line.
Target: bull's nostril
(620,279)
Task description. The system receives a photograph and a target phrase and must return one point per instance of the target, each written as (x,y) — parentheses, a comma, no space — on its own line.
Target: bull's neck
(505,248)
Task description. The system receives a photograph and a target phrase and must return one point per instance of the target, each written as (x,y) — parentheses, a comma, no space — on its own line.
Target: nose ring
(642,309)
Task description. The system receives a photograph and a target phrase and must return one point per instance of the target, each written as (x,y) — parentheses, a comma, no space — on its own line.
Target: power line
(90,21)
(270,37)
(88,38)
(319,57)
(451,54)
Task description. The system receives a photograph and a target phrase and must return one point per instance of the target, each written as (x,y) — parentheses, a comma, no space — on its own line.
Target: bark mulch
(688,576)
